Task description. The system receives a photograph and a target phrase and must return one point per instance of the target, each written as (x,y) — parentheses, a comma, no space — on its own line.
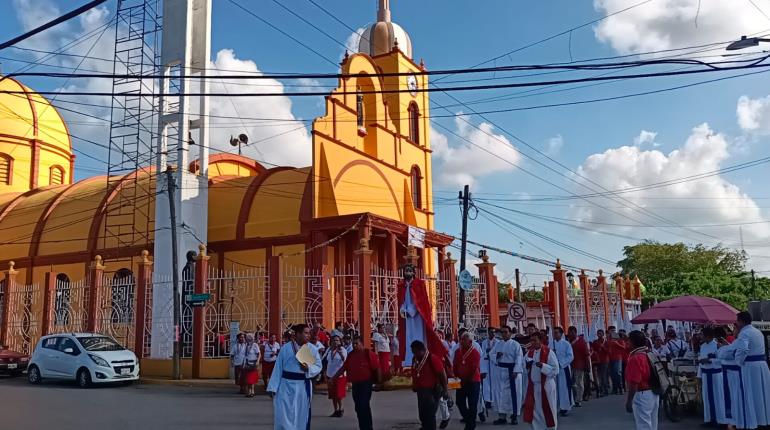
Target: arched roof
(26,115)
(70,219)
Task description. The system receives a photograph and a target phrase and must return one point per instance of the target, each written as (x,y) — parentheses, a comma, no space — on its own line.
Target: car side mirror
(68,350)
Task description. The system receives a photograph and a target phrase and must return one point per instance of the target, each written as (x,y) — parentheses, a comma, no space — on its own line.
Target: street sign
(465,280)
(197,299)
(517,312)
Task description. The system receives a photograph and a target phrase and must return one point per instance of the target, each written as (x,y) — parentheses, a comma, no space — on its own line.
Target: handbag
(249,364)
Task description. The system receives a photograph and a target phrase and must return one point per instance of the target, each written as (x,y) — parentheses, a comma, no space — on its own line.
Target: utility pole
(753,285)
(518,287)
(464,197)
(177,356)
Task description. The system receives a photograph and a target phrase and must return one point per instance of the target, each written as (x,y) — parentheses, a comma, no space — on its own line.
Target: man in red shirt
(580,363)
(617,347)
(466,367)
(641,401)
(363,370)
(600,347)
(429,381)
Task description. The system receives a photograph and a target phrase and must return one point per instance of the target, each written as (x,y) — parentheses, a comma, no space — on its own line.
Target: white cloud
(553,145)
(351,44)
(754,114)
(477,152)
(720,201)
(666,24)
(646,137)
(279,142)
(282,142)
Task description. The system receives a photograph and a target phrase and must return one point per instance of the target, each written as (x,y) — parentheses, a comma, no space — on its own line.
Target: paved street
(147,407)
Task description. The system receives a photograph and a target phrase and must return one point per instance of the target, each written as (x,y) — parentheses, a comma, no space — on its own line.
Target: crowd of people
(537,376)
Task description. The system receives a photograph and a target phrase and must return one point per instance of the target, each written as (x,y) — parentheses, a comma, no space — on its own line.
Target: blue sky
(688,131)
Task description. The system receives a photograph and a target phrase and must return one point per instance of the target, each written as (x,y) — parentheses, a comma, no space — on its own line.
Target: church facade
(319,244)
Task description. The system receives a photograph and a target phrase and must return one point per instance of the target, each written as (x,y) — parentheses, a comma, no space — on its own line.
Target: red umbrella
(698,309)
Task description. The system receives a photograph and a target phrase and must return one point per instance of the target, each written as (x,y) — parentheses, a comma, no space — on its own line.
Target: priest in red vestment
(416,317)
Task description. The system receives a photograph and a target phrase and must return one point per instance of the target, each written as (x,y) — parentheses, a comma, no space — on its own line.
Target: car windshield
(99,343)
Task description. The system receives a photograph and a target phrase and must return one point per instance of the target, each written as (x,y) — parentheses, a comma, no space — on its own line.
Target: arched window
(122,297)
(6,169)
(62,300)
(360,111)
(414,123)
(56,176)
(416,187)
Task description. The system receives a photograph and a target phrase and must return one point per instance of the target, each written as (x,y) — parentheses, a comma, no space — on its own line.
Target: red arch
(378,171)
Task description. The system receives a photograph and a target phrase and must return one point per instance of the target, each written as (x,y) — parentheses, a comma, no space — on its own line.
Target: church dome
(382,36)
(35,146)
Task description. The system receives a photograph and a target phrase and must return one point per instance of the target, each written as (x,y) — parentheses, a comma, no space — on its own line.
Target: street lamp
(746,42)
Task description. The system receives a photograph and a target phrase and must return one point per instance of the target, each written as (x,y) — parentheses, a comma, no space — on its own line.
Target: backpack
(659,381)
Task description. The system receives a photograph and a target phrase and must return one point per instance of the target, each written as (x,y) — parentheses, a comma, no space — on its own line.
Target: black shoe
(514,420)
(483,417)
(488,405)
(500,421)
(563,413)
(578,405)
(443,424)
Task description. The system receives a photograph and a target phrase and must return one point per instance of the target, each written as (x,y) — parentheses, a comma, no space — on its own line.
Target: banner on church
(416,237)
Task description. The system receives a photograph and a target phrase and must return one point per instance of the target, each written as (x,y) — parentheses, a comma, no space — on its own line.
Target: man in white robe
(711,375)
(731,383)
(290,385)
(486,370)
(563,350)
(755,375)
(506,385)
(540,403)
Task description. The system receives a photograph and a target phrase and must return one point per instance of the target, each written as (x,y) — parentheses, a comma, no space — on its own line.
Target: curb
(226,384)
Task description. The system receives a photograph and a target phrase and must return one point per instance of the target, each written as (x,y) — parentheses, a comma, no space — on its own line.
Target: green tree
(672,270)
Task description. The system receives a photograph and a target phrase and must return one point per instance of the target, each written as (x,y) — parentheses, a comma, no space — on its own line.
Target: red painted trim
(376,169)
(76,257)
(248,199)
(34,246)
(44,144)
(255,243)
(10,206)
(99,214)
(34,168)
(357,151)
(63,172)
(238,159)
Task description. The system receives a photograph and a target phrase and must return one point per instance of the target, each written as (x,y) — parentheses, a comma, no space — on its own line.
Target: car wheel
(84,378)
(33,375)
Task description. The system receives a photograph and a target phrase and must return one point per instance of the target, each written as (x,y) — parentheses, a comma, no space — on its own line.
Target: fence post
(487,273)
(637,288)
(49,295)
(621,297)
(560,284)
(274,308)
(454,306)
(602,282)
(201,282)
(364,256)
(10,286)
(585,286)
(143,279)
(96,277)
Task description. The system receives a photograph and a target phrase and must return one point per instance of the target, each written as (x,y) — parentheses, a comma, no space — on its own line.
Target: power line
(66,17)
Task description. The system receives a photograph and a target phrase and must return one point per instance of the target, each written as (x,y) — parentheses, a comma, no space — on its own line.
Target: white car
(87,358)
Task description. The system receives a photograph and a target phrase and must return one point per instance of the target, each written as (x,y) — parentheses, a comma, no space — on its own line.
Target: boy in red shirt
(363,369)
(601,360)
(429,381)
(466,367)
(641,401)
